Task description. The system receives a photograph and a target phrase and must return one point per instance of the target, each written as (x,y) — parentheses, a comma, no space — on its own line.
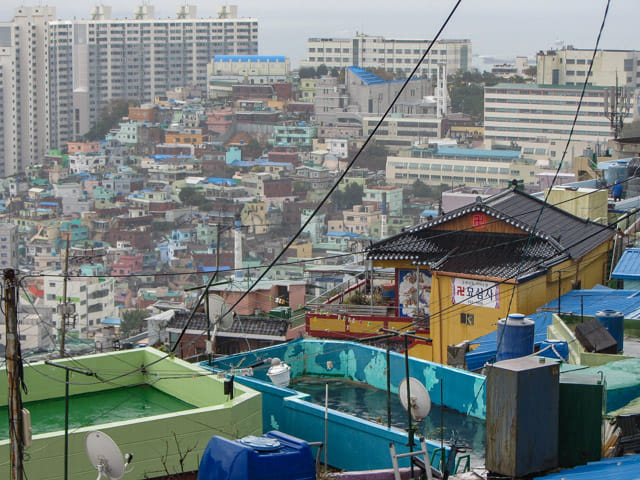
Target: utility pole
(14,362)
(63,326)
(211,341)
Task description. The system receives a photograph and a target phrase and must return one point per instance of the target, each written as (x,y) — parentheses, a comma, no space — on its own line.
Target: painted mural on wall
(414,293)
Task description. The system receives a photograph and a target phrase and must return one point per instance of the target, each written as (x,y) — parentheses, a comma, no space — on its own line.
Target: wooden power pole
(64,313)
(14,361)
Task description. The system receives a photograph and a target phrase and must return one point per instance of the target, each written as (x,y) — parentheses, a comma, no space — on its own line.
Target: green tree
(253,149)
(307,72)
(345,199)
(420,189)
(191,197)
(531,71)
(373,157)
(322,70)
(110,115)
(132,322)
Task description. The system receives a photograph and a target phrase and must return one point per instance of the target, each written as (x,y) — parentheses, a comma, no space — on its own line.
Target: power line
(342,175)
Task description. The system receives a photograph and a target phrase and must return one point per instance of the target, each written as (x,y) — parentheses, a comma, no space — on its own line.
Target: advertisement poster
(414,294)
(474,292)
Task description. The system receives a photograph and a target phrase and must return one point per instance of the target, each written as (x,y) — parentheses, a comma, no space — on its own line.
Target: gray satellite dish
(105,456)
(420,399)
(220,312)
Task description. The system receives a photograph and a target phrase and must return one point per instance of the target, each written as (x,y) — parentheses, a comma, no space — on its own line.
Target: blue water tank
(614,323)
(274,456)
(515,337)
(558,349)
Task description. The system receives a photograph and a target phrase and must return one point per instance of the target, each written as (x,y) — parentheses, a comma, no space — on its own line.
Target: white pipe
(326,424)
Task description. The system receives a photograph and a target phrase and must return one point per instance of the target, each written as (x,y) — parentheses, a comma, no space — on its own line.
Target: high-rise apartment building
(569,66)
(24,87)
(142,57)
(56,76)
(394,55)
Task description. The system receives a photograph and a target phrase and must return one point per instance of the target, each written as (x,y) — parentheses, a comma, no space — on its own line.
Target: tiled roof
(551,236)
(241,324)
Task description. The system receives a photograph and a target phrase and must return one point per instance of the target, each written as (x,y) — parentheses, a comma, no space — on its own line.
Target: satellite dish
(220,312)
(420,399)
(105,455)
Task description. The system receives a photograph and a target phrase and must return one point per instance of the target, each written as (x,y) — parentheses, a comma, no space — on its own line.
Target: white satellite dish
(220,312)
(105,456)
(420,399)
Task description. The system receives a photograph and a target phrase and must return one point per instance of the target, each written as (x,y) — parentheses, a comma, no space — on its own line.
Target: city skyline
(284,29)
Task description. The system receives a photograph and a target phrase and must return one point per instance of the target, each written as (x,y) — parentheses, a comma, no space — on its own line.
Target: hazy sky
(500,28)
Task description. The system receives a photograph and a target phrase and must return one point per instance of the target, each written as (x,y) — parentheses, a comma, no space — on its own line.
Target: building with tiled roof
(509,253)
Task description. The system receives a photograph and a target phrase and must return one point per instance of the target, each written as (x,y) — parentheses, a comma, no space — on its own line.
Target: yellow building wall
(447,327)
(303,250)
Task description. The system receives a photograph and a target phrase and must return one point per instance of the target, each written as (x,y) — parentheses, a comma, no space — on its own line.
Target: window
(466,318)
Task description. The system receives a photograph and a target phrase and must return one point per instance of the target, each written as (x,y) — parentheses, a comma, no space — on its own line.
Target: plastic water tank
(558,349)
(515,337)
(274,456)
(614,323)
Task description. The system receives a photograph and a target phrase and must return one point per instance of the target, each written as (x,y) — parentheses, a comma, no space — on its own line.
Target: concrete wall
(150,439)
(292,413)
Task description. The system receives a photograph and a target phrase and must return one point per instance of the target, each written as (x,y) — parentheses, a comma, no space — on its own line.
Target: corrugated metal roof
(367,77)
(587,302)
(629,265)
(618,468)
(250,58)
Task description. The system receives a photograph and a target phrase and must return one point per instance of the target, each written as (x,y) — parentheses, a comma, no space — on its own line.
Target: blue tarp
(111,321)
(607,469)
(587,302)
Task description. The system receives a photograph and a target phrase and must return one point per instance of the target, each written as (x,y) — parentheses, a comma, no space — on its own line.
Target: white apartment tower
(394,55)
(24,88)
(142,57)
(55,75)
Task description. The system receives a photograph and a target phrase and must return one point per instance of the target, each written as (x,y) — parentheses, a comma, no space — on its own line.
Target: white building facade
(569,66)
(538,118)
(93,299)
(391,54)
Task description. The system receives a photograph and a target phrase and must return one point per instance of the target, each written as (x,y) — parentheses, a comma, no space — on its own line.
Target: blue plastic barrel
(515,337)
(274,456)
(614,323)
(558,349)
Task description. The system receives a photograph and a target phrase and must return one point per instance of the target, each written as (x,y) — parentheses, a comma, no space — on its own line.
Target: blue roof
(250,58)
(629,265)
(606,469)
(429,213)
(367,77)
(221,181)
(205,268)
(111,321)
(473,152)
(334,233)
(49,204)
(576,301)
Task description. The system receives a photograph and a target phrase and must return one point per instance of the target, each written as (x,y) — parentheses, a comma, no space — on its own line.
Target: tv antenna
(106,456)
(415,398)
(219,310)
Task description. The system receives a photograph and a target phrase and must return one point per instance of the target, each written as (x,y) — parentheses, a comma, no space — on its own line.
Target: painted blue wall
(463,391)
(290,411)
